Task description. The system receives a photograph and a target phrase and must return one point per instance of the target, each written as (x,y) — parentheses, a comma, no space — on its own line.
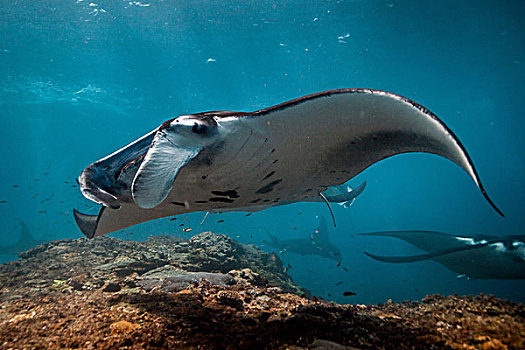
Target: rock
(187,301)
(111,288)
(172,279)
(230,299)
(123,327)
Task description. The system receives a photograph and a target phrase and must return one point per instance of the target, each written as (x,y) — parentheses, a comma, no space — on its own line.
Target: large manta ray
(480,257)
(238,161)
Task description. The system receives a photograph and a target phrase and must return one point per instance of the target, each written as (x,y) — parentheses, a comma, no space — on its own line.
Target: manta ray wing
(426,256)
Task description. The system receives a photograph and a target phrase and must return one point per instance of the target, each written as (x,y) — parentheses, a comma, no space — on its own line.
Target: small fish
(172,219)
(181,225)
(42,211)
(339,283)
(347,294)
(2,202)
(248,214)
(220,221)
(186,229)
(16,186)
(344,268)
(338,263)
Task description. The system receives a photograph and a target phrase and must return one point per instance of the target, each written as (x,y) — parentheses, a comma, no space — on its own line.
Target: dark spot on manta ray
(201,202)
(268,187)
(221,199)
(268,175)
(255,200)
(266,201)
(228,193)
(179,204)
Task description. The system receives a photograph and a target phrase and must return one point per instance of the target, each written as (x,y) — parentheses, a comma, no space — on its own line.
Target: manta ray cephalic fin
(162,162)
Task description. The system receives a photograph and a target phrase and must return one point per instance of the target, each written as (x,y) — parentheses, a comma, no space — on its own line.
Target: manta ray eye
(199,128)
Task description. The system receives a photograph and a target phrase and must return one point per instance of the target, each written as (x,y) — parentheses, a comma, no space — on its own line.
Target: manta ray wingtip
(492,204)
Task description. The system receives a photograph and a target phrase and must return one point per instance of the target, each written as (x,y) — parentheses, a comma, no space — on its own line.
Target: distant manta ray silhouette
(25,242)
(318,243)
(343,195)
(477,257)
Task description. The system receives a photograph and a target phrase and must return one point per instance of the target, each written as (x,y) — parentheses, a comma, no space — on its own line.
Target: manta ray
(25,242)
(249,161)
(318,243)
(343,195)
(477,257)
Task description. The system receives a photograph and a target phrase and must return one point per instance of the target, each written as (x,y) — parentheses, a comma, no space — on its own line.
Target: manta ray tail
(426,256)
(329,207)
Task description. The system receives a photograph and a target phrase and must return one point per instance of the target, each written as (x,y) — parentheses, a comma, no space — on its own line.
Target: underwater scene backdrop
(80,79)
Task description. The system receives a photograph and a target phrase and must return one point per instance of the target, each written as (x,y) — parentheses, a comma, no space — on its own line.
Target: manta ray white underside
(237,161)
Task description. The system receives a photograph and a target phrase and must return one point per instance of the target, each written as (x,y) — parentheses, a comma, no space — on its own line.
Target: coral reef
(212,292)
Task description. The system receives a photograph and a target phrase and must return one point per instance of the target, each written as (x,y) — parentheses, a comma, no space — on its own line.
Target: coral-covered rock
(214,293)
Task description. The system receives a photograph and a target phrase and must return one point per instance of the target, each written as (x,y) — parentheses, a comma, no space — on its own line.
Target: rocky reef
(212,292)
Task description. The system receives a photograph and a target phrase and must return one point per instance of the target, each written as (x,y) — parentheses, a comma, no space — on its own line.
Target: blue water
(80,79)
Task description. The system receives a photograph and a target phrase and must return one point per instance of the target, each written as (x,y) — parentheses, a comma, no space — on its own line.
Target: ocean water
(80,79)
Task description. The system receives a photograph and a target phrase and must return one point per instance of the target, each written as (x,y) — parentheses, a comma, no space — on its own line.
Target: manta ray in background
(318,243)
(25,242)
(239,161)
(478,257)
(343,195)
